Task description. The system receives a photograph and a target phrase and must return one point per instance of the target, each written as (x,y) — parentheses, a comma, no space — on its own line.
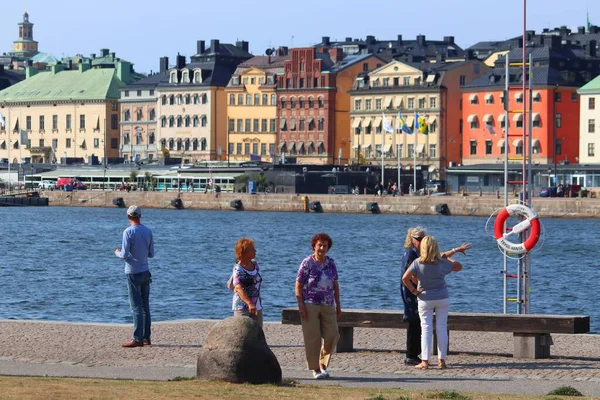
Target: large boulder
(235,350)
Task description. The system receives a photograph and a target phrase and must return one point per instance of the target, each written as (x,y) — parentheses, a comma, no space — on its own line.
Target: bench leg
(346,342)
(532,345)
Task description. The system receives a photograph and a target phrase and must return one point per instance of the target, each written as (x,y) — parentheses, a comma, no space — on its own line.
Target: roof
(45,58)
(93,84)
(9,78)
(542,76)
(151,81)
(265,62)
(350,60)
(592,86)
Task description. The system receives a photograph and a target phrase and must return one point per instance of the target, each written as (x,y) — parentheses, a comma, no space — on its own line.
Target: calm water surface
(58,263)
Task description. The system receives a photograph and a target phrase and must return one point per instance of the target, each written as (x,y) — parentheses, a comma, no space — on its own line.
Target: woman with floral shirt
(318,295)
(247,281)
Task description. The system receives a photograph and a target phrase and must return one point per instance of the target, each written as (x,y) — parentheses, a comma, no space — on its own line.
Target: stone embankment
(472,205)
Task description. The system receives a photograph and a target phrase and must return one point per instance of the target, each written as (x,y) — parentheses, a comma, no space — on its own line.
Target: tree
(133,176)
(242,180)
(260,180)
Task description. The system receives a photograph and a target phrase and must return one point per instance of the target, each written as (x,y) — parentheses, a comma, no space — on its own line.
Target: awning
(16,125)
(82,144)
(535,143)
(388,147)
(368,146)
(319,143)
(309,120)
(397,102)
(487,118)
(536,95)
(3,144)
(519,96)
(501,117)
(377,122)
(292,124)
(489,97)
(309,144)
(356,146)
(300,145)
(517,142)
(366,123)
(355,123)
(472,118)
(420,148)
(432,119)
(473,97)
(387,102)
(281,145)
(536,116)
(410,120)
(282,124)
(291,146)
(501,143)
(518,117)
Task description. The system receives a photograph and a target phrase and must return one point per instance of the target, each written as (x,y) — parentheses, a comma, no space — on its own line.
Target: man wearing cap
(138,246)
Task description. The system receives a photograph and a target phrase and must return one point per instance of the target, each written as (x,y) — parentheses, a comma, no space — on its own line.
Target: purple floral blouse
(318,279)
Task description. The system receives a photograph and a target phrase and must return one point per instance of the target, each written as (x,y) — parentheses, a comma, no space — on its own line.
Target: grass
(23,388)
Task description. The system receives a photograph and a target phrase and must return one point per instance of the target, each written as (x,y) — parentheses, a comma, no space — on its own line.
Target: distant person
(425,279)
(137,248)
(318,295)
(247,282)
(412,244)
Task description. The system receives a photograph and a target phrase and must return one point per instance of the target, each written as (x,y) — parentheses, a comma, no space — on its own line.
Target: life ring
(531,221)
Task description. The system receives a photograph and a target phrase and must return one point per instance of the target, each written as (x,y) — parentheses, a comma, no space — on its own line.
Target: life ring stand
(531,221)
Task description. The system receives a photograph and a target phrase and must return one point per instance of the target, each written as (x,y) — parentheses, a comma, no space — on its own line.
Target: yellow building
(58,115)
(252,109)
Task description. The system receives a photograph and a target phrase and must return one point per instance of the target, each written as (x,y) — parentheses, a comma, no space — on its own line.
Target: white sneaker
(325,373)
(318,375)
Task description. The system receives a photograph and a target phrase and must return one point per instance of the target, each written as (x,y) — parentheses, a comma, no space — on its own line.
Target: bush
(565,391)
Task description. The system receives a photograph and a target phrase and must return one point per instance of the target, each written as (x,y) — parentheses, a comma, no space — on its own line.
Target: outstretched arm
(461,249)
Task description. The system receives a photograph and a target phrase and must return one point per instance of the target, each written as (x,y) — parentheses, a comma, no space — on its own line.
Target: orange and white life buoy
(531,221)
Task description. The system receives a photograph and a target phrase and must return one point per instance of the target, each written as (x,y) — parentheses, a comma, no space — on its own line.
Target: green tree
(260,180)
(133,176)
(241,181)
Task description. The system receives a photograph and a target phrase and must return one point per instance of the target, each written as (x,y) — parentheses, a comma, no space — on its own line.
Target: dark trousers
(413,338)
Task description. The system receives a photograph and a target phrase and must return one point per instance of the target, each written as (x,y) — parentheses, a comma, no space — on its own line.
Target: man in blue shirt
(137,247)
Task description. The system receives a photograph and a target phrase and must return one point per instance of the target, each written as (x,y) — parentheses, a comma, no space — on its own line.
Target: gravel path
(480,362)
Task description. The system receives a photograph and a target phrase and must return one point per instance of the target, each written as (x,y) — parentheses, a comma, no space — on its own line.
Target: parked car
(549,192)
(47,185)
(68,184)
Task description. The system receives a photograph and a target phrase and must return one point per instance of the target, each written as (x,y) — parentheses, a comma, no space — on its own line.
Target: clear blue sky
(143,31)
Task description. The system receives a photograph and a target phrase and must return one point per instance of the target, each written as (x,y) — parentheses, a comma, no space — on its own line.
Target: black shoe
(412,361)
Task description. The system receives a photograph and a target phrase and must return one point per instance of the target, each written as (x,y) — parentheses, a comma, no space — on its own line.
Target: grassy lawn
(73,388)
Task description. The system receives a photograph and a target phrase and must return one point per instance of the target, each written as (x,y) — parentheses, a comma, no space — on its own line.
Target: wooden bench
(531,332)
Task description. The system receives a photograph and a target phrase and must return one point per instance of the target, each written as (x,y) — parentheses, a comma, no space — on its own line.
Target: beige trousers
(243,313)
(321,335)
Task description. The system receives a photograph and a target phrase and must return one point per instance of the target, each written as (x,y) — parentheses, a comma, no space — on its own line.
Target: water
(58,263)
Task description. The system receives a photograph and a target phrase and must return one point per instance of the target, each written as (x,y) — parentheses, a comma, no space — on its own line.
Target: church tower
(25,46)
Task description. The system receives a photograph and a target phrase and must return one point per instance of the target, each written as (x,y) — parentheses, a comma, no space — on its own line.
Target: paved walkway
(478,362)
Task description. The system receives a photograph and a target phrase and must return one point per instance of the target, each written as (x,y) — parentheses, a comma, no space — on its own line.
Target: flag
(402,125)
(386,124)
(2,121)
(421,124)
(490,128)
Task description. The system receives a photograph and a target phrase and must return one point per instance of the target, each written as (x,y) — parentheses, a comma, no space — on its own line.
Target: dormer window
(185,77)
(270,80)
(173,77)
(235,80)
(197,76)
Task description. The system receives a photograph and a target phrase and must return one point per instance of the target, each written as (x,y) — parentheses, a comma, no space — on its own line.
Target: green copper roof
(93,84)
(591,86)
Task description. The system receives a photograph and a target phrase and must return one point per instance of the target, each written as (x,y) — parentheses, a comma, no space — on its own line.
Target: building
(559,69)
(24,48)
(63,116)
(9,77)
(589,119)
(252,107)
(431,90)
(192,104)
(309,112)
(138,127)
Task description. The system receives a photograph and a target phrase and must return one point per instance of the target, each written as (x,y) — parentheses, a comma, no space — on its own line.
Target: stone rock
(235,350)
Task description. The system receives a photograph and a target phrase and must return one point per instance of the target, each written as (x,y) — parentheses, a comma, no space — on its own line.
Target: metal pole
(382,161)
(9,160)
(506,106)
(399,185)
(416,133)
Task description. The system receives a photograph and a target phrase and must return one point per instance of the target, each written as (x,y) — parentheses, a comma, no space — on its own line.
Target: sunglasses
(418,239)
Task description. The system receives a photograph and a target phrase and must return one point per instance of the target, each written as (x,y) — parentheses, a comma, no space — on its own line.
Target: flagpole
(382,161)
(416,131)
(398,185)
(9,145)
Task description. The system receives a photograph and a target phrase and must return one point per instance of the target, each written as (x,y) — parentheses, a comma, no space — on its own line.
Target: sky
(144,31)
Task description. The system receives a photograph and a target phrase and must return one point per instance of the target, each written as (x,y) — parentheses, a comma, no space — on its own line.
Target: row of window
(389,104)
(184,144)
(393,151)
(252,125)
(302,124)
(301,149)
(68,144)
(185,76)
(301,103)
(237,149)
(139,115)
(186,121)
(183,99)
(537,123)
(138,138)
(261,80)
(299,83)
(488,148)
(138,93)
(367,130)
(537,98)
(54,122)
(250,102)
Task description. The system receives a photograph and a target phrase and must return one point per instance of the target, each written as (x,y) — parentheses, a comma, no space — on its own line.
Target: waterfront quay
(478,362)
(459,205)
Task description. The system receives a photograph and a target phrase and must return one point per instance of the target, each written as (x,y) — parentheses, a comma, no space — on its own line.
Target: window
(519,124)
(253,81)
(28,123)
(247,125)
(255,125)
(115,106)
(592,103)
(164,100)
(204,120)
(557,97)
(311,103)
(230,148)
(263,125)
(432,151)
(239,148)
(273,100)
(204,98)
(301,102)
(537,97)
(152,116)
(68,122)
(263,149)
(473,99)
(171,100)
(411,150)
(196,99)
(82,121)
(171,122)
(114,143)
(473,148)
(232,99)
(488,147)
(265,99)
(432,102)
(151,93)
(245,80)
(139,114)
(68,143)
(42,123)
(301,83)
(195,145)
(179,122)
(248,99)
(293,102)
(519,149)
(293,124)
(151,138)
(41,143)
(368,104)
(406,81)
(272,125)
(126,115)
(396,81)
(231,124)
(301,125)
(378,104)
(411,103)
(272,149)
(54,144)
(163,122)
(240,125)
(574,97)
(247,149)
(463,80)
(321,102)
(357,105)
(558,119)
(257,99)
(261,80)
(55,122)
(126,137)
(126,93)
(460,126)
(536,122)
(519,100)
(254,148)
(591,125)
(114,121)
(283,103)
(591,149)
(422,103)
(240,99)
(321,124)
(96,143)
(433,127)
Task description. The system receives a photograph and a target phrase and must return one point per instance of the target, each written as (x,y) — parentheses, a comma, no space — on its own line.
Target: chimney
(336,54)
(555,42)
(104,52)
(399,39)
(28,63)
(163,64)
(243,45)
(112,56)
(180,61)
(1,67)
(421,39)
(591,50)
(83,65)
(469,55)
(370,39)
(545,30)
(30,71)
(214,45)
(325,40)
(282,51)
(439,58)
(539,40)
(56,68)
(200,47)
(348,39)
(594,29)
(529,35)
(581,30)
(93,55)
(449,39)
(124,72)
